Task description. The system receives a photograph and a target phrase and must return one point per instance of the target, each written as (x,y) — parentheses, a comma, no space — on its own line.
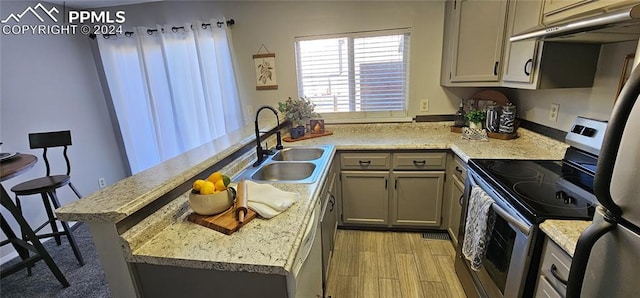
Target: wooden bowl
(211,204)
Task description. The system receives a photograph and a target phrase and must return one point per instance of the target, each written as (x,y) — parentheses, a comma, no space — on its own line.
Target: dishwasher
(305,279)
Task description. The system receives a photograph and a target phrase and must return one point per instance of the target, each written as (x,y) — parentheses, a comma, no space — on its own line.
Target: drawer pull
(419,162)
(554,272)
(364,162)
(458,169)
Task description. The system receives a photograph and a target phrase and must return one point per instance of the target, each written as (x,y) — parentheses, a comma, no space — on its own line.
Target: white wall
(596,102)
(276,23)
(50,83)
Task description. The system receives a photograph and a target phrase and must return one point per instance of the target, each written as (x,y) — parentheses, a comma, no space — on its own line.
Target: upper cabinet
(520,55)
(477,51)
(558,10)
(473,42)
(531,64)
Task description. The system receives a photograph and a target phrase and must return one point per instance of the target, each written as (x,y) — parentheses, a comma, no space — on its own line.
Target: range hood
(613,26)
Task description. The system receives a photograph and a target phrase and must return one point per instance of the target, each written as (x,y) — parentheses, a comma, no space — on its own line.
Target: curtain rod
(229,22)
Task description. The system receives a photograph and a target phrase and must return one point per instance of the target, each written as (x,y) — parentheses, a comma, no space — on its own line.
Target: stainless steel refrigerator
(606,262)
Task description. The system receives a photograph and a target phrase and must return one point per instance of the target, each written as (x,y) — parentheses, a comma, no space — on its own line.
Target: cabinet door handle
(419,162)
(364,162)
(495,68)
(385,183)
(460,200)
(528,63)
(554,272)
(396,184)
(458,169)
(332,201)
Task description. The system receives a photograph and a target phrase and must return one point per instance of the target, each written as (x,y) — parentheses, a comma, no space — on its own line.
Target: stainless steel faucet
(259,150)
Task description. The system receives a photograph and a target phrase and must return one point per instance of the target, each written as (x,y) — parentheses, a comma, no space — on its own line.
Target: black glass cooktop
(540,189)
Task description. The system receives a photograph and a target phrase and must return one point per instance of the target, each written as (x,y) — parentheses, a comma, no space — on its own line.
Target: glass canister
(507,119)
(492,122)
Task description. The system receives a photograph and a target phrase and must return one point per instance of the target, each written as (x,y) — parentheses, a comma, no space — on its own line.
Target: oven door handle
(518,224)
(514,221)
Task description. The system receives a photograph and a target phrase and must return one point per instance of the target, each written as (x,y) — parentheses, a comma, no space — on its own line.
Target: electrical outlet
(553,113)
(424,105)
(101,182)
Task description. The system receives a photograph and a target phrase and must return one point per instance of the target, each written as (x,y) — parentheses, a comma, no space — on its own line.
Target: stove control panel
(587,134)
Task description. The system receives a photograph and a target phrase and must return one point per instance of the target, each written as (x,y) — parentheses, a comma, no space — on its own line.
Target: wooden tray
(307,136)
(226,222)
(492,135)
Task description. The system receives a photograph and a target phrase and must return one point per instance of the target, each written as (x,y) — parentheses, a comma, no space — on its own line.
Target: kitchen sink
(298,154)
(290,165)
(284,171)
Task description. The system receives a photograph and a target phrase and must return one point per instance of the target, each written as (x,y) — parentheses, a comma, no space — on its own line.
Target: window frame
(361,116)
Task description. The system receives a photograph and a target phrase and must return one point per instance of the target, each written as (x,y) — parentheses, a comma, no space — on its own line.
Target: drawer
(459,168)
(420,161)
(545,290)
(554,258)
(365,161)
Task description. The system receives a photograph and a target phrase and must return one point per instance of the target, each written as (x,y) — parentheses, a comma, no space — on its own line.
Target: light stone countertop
(565,233)
(266,246)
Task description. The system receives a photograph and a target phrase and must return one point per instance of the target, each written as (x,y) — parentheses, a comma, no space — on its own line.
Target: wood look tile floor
(372,264)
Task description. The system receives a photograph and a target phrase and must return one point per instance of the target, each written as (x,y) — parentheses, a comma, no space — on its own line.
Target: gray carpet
(86,281)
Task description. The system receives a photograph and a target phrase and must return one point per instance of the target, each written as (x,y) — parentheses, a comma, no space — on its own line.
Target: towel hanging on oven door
(479,223)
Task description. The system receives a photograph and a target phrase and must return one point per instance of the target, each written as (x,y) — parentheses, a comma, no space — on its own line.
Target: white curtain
(172,90)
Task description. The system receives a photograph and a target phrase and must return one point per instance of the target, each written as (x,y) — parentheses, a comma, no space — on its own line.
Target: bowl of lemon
(211,196)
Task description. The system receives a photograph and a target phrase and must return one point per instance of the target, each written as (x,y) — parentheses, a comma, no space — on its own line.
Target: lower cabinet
(365,197)
(554,271)
(403,189)
(329,219)
(416,198)
(456,191)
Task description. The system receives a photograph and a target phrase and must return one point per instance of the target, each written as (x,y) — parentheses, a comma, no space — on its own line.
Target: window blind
(356,72)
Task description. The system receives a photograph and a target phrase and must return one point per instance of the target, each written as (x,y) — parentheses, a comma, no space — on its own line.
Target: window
(364,74)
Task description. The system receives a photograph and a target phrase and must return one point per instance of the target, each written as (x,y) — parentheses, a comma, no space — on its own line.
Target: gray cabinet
(553,272)
(417,198)
(456,191)
(408,193)
(365,197)
(473,42)
(329,219)
(530,64)
(457,173)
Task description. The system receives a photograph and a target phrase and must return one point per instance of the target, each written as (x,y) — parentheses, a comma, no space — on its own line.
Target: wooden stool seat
(40,185)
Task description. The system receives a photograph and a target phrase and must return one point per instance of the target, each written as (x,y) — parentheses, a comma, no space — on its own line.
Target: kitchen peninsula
(126,233)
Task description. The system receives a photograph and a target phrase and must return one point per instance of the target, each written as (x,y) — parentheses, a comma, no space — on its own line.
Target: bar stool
(46,187)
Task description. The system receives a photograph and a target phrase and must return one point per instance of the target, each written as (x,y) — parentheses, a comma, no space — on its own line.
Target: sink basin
(284,171)
(298,154)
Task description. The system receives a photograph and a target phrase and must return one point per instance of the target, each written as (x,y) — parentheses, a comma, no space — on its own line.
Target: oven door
(506,263)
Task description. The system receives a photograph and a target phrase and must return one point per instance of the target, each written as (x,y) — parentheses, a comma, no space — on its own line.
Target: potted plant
(298,112)
(476,117)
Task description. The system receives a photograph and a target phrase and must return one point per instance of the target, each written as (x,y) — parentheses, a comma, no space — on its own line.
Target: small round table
(8,169)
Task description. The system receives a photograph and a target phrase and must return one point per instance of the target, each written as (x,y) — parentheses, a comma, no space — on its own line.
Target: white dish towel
(267,200)
(477,232)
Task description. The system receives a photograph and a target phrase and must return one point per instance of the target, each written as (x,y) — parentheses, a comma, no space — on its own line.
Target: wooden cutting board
(307,136)
(226,222)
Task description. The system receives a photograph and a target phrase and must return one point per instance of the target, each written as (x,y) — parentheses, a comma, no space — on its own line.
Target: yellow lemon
(220,185)
(215,177)
(207,188)
(197,185)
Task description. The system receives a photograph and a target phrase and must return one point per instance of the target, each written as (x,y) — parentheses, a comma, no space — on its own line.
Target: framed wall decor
(265,65)
(626,72)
